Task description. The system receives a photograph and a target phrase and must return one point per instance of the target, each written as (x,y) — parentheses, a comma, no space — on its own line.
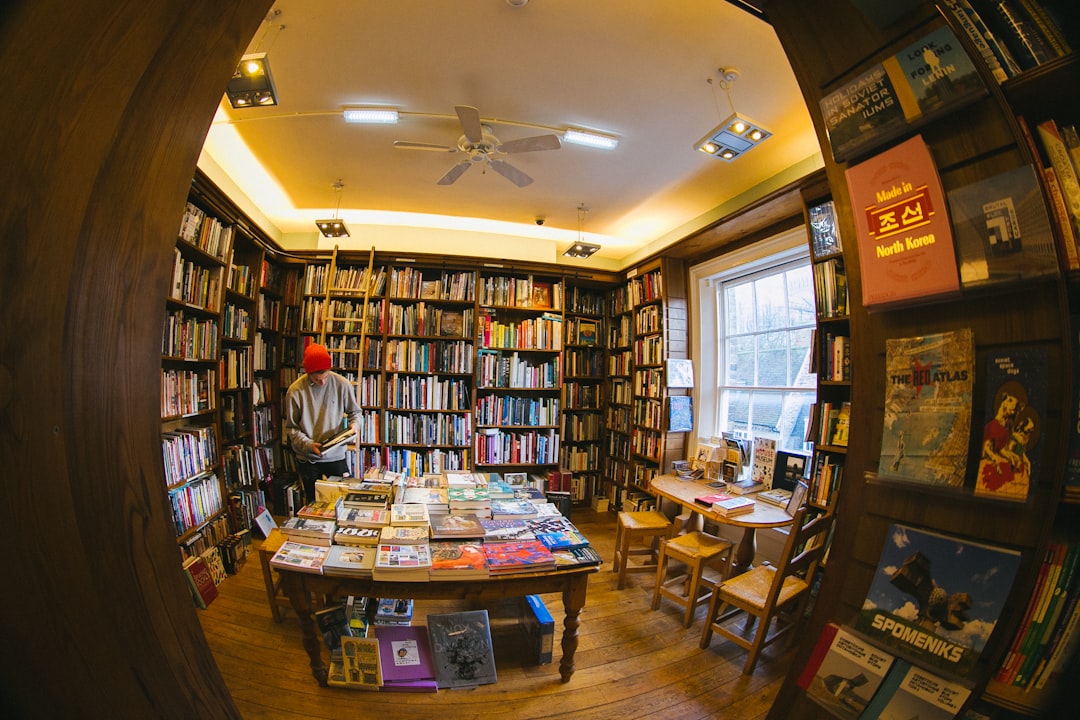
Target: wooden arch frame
(106,107)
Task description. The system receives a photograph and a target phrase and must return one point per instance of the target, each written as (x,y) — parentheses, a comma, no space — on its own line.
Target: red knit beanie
(316,358)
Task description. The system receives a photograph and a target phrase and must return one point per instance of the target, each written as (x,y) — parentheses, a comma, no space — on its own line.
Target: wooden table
(572,583)
(764,515)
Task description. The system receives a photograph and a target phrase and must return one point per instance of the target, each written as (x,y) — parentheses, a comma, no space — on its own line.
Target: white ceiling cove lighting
(589,138)
(371,115)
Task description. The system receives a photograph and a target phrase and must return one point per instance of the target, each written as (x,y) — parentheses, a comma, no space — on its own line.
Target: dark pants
(310,472)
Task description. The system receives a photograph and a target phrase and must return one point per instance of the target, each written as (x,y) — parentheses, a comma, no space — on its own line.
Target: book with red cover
(903,234)
(457,559)
(510,557)
(708,500)
(203,589)
(405,657)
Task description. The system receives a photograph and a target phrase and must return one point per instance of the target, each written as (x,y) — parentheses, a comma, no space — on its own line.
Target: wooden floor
(631,662)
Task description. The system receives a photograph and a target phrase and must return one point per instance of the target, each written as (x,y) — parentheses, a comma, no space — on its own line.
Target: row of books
(1048,635)
(1059,163)
(1013,35)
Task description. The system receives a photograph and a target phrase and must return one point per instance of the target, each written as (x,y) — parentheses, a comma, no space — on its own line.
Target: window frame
(705,280)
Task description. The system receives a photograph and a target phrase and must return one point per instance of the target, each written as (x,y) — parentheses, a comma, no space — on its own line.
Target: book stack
(744,487)
(409,515)
(393,611)
(373,495)
(506,530)
(363,517)
(356,610)
(354,561)
(298,556)
(309,530)
(450,527)
(406,659)
(405,534)
(517,556)
(512,509)
(457,559)
(733,506)
(776,496)
(434,497)
(358,536)
(576,557)
(402,562)
(320,510)
(469,501)
(558,533)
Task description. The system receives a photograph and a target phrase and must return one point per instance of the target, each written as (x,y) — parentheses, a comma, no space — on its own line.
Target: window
(755,315)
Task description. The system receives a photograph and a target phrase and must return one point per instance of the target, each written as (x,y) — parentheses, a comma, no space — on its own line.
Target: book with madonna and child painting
(927,419)
(1015,410)
(936,598)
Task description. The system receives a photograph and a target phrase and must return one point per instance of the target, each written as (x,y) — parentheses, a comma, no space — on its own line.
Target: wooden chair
(638,533)
(696,551)
(769,593)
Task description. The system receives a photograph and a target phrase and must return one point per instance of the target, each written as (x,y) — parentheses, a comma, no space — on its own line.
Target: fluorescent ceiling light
(590,139)
(371,115)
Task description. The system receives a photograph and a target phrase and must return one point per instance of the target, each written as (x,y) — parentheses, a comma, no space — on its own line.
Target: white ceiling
(639,69)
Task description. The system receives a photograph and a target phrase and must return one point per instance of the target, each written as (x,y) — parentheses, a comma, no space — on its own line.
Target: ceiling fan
(483,148)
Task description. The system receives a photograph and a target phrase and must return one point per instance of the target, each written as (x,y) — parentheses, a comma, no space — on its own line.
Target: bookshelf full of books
(519,336)
(659,414)
(190,352)
(617,425)
(584,365)
(941,325)
(429,370)
(831,356)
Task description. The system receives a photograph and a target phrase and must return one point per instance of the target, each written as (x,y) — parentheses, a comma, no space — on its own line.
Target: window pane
(738,309)
(734,410)
(771,303)
(739,359)
(800,359)
(793,420)
(800,285)
(772,360)
(765,410)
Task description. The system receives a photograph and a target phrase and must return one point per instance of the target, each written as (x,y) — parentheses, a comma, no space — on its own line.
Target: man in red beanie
(316,406)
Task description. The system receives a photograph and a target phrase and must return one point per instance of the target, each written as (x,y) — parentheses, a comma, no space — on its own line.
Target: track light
(736,134)
(334,228)
(251,84)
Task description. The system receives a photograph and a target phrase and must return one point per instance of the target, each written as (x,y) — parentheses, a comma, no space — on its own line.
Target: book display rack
(977,128)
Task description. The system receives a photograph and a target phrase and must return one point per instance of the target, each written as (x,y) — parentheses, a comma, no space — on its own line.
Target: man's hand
(317,448)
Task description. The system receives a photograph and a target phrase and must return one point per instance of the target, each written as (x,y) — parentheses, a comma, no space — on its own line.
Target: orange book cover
(905,241)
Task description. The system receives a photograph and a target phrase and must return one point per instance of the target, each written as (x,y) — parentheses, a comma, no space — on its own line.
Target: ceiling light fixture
(581,249)
(736,134)
(371,115)
(334,228)
(251,84)
(589,138)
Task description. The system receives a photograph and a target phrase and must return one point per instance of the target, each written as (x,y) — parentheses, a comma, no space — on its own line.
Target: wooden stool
(697,550)
(637,534)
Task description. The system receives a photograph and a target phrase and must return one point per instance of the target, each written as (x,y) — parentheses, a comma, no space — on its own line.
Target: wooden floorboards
(631,663)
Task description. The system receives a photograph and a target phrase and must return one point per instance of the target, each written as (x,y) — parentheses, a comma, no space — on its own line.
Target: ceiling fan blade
(406,145)
(510,172)
(529,144)
(455,172)
(470,122)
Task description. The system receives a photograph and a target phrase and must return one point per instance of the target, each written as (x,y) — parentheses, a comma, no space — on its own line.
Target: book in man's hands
(342,437)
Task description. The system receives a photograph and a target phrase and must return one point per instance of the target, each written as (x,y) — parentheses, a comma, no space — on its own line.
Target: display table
(764,515)
(573,584)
